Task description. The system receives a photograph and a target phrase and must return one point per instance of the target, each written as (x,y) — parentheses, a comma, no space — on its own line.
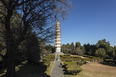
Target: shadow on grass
(26,70)
(33,70)
(65,69)
(109,64)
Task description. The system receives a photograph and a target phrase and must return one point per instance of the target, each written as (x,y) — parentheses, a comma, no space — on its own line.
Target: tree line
(102,48)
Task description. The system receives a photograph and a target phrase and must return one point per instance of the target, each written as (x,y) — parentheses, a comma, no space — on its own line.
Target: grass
(71,68)
(49,69)
(95,69)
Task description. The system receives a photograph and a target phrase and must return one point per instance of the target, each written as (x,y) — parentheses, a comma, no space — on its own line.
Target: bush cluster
(94,58)
(72,68)
(110,61)
(69,58)
(80,63)
(47,59)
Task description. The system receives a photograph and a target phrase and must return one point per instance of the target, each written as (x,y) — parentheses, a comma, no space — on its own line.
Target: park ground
(26,70)
(92,69)
(95,69)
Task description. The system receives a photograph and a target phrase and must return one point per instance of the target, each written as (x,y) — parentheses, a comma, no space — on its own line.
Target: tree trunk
(10,63)
(10,43)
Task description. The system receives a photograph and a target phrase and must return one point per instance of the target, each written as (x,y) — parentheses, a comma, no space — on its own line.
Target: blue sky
(90,21)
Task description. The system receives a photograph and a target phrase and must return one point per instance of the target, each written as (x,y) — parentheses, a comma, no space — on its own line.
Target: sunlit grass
(49,69)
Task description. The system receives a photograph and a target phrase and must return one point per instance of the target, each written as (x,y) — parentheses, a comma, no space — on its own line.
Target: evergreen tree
(72,47)
(78,45)
(83,49)
(32,48)
(100,52)
(106,45)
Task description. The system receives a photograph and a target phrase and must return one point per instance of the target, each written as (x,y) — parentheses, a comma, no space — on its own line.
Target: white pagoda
(58,38)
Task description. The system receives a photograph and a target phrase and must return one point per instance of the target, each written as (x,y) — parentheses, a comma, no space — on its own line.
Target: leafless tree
(38,14)
(78,51)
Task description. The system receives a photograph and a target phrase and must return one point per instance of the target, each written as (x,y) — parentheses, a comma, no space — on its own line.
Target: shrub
(76,71)
(86,59)
(49,58)
(72,68)
(110,61)
(68,60)
(80,63)
(85,55)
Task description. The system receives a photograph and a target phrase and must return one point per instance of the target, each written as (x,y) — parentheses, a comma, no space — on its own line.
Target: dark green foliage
(110,61)
(66,48)
(72,47)
(78,45)
(100,52)
(53,49)
(49,48)
(92,58)
(106,45)
(83,49)
(90,49)
(32,51)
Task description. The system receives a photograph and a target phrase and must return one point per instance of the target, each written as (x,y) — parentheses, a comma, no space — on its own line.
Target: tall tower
(58,37)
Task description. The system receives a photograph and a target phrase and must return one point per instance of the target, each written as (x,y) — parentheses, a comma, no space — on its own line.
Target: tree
(72,47)
(100,52)
(66,48)
(102,42)
(83,49)
(32,48)
(106,45)
(53,49)
(42,47)
(49,48)
(36,14)
(78,45)
(78,51)
(87,48)
(115,50)
(111,52)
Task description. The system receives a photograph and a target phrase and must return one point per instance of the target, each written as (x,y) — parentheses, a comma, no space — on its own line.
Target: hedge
(47,59)
(72,68)
(110,61)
